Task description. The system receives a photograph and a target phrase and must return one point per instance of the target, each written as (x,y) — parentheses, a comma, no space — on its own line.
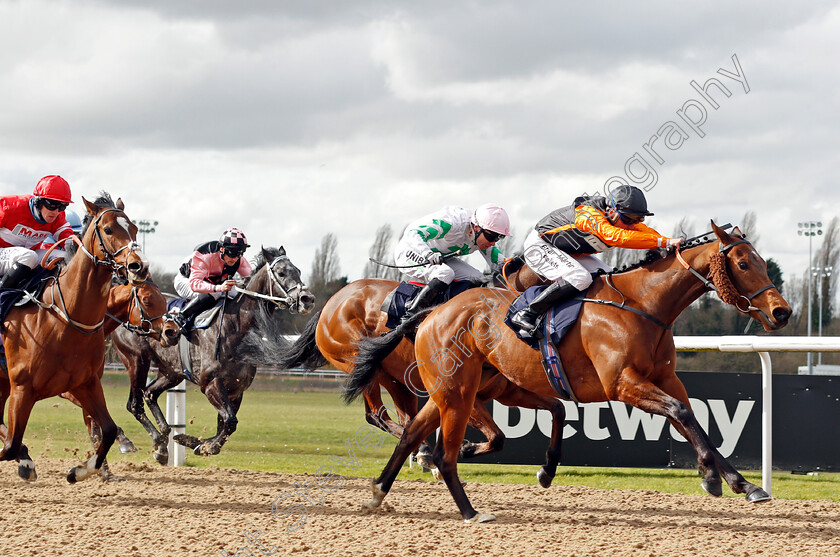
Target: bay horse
(141,309)
(57,344)
(275,283)
(353,314)
(621,348)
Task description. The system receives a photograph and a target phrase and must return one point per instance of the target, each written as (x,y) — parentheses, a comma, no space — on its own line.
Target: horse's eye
(743,265)
(107,230)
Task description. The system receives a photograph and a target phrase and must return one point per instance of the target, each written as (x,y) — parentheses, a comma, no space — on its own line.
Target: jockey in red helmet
(449,231)
(562,244)
(207,274)
(26,221)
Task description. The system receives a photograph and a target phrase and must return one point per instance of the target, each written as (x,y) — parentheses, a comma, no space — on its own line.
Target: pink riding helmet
(492,217)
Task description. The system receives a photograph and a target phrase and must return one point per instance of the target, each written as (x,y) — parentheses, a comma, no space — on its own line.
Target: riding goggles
(234,252)
(53,205)
(630,219)
(491,236)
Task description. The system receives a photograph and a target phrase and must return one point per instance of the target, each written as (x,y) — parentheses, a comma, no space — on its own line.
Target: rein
(622,305)
(109,261)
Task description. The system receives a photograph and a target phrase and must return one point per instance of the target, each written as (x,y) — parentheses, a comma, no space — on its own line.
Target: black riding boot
(16,275)
(194,307)
(427,297)
(526,319)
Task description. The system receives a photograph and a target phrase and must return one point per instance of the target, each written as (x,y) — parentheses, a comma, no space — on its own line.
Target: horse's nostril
(781,313)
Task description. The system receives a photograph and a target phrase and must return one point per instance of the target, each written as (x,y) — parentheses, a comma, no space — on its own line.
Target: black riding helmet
(629,200)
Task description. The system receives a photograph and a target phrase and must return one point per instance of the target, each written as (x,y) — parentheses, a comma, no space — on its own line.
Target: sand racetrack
(159,511)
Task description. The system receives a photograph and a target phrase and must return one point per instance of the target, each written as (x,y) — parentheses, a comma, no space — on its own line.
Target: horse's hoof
(480,518)
(187,440)
(27,472)
(207,449)
(378,496)
(712,488)
(162,457)
(425,460)
(437,475)
(71,475)
(544,478)
(127,447)
(758,495)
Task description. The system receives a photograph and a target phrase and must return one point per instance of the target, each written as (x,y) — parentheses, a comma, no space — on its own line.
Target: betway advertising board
(806,426)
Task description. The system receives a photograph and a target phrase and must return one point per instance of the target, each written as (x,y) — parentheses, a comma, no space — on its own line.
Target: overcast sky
(292,119)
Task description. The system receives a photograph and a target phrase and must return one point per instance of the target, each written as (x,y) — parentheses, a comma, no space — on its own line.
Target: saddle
(33,286)
(201,321)
(396,301)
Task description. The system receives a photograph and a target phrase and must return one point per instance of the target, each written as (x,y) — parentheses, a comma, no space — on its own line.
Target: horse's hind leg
(92,398)
(416,431)
(481,420)
(517,396)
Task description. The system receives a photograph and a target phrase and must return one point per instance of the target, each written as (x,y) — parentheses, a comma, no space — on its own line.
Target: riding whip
(445,256)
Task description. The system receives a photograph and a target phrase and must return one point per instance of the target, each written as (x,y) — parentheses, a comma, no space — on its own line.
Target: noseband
(719,280)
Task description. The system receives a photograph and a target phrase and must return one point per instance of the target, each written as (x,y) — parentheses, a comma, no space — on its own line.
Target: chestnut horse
(140,308)
(57,344)
(621,348)
(354,313)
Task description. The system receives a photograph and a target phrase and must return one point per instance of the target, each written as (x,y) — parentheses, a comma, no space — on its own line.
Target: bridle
(283,299)
(146,327)
(722,283)
(109,261)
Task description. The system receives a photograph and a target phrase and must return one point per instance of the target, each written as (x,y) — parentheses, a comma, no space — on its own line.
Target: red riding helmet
(53,187)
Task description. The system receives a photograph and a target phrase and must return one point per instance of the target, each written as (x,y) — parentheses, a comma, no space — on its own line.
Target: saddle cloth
(553,325)
(395,302)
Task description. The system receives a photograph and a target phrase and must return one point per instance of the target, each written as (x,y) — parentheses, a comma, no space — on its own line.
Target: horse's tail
(371,352)
(303,352)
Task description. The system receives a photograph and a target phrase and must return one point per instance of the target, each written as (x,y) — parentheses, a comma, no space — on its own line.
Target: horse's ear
(281,250)
(119,204)
(92,209)
(724,238)
(267,256)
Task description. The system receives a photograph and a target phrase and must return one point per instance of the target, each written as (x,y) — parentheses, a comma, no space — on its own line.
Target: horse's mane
(260,260)
(103,200)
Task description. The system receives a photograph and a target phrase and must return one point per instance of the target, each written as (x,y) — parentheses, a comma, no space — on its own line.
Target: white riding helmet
(493,218)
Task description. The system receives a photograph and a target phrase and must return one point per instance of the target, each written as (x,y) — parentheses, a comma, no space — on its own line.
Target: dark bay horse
(611,353)
(354,313)
(275,283)
(57,344)
(141,309)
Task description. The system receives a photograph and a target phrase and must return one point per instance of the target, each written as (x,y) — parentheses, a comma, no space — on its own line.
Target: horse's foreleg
(416,431)
(160,439)
(226,421)
(26,467)
(92,398)
(516,396)
(652,399)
